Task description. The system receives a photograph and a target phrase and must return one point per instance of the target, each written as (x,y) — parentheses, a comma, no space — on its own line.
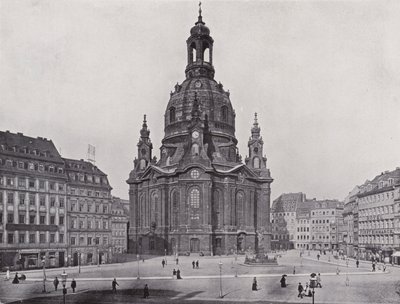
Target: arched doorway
(194,245)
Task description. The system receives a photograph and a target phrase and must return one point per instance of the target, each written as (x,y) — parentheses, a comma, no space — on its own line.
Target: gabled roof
(24,146)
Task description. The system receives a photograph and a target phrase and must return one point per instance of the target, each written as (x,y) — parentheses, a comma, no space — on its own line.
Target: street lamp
(79,261)
(137,258)
(236,265)
(64,283)
(44,275)
(220,279)
(313,284)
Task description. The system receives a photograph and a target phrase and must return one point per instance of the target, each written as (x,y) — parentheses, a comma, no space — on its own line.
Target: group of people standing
(56,282)
(306,291)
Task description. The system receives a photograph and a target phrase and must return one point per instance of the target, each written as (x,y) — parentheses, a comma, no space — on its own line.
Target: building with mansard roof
(199,196)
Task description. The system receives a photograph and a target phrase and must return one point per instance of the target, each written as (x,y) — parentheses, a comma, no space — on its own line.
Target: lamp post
(64,283)
(313,284)
(137,258)
(44,274)
(220,279)
(236,265)
(79,262)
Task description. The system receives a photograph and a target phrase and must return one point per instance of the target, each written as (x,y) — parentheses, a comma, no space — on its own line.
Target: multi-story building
(350,224)
(326,218)
(32,202)
(303,216)
(89,213)
(283,220)
(119,225)
(379,220)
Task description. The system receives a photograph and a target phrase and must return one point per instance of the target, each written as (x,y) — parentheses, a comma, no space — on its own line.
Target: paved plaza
(203,285)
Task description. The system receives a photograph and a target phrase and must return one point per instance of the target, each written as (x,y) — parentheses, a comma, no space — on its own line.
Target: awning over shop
(396,254)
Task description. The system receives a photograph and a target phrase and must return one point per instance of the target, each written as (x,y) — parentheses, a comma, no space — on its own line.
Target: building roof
(28,147)
(287,202)
(381,183)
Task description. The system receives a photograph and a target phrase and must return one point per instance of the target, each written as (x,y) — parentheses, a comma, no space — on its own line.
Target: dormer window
(390,180)
(381,184)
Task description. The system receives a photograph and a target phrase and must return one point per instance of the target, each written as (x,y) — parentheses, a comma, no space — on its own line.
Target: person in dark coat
(254,285)
(146,293)
(174,272)
(178,274)
(357,263)
(177,261)
(300,289)
(163,263)
(193,264)
(16,280)
(73,285)
(114,285)
(56,282)
(283,281)
(197,264)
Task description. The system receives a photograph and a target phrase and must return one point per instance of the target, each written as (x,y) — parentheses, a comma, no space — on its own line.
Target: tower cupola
(199,50)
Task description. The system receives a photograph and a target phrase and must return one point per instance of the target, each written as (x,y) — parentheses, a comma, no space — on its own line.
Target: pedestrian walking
(373,266)
(283,281)
(178,275)
(318,256)
(56,282)
(197,264)
(294,269)
(114,285)
(177,261)
(300,289)
(174,272)
(307,291)
(319,280)
(357,263)
(163,263)
(193,264)
(146,292)
(384,267)
(73,285)
(16,280)
(7,275)
(254,285)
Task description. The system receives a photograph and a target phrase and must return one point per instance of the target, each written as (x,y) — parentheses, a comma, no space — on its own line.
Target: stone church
(199,197)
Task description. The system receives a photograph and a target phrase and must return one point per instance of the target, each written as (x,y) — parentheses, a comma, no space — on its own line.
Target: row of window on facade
(223,114)
(88,207)
(88,224)
(376,211)
(283,214)
(85,192)
(25,198)
(31,166)
(31,238)
(33,219)
(376,239)
(377,197)
(89,240)
(88,178)
(377,224)
(323,212)
(31,183)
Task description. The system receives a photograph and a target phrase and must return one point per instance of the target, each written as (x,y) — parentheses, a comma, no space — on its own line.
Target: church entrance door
(194,245)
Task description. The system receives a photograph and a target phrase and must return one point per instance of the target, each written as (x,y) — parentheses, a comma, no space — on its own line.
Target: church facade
(199,197)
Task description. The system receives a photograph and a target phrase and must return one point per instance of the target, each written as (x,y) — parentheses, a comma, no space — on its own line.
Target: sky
(323,76)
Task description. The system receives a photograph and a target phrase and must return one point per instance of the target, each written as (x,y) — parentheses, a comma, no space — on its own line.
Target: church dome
(214,103)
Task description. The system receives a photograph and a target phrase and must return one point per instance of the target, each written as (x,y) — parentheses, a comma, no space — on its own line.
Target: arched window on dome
(175,210)
(256,163)
(195,150)
(224,113)
(172,115)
